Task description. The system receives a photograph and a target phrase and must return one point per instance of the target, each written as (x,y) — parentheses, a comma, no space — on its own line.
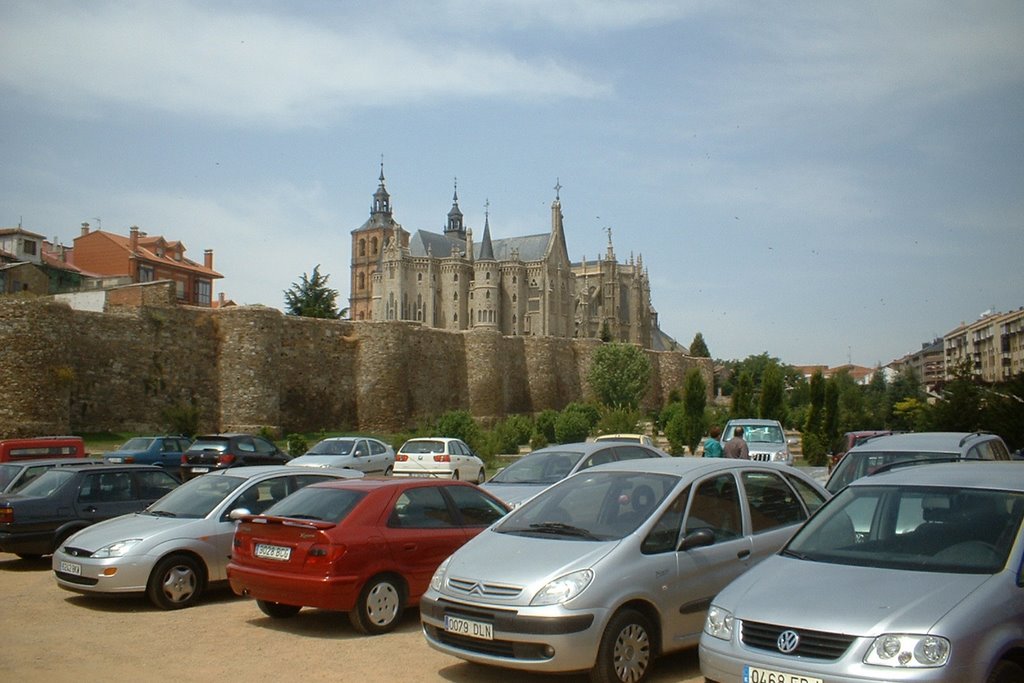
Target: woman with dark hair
(712,446)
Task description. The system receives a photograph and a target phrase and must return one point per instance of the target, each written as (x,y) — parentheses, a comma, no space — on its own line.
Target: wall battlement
(70,371)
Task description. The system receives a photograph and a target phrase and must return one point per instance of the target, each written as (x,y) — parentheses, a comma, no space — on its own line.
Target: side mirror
(698,538)
(238,514)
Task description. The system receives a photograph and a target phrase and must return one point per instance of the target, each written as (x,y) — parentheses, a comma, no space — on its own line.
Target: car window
(261,495)
(422,507)
(46,483)
(153,485)
(771,501)
(999,450)
(137,444)
(376,447)
(327,504)
(196,498)
(664,537)
(7,474)
(423,447)
(245,445)
(106,487)
(476,508)
(540,467)
(599,458)
(263,447)
(30,474)
(716,506)
(628,452)
(810,496)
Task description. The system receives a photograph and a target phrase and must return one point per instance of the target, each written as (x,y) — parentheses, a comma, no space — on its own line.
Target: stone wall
(245,368)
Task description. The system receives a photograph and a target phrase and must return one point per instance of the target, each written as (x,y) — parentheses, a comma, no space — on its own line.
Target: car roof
(100,466)
(755,421)
(32,462)
(376,483)
(683,466)
(251,471)
(1000,475)
(587,447)
(937,442)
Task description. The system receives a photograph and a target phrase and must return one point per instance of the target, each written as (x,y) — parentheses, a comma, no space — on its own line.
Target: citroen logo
(788,641)
(477,589)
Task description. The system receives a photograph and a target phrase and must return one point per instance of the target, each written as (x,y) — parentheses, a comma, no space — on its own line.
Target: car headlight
(908,651)
(117,548)
(437,580)
(782,455)
(719,623)
(564,588)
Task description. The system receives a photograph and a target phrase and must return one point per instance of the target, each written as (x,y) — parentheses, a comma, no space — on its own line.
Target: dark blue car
(164,451)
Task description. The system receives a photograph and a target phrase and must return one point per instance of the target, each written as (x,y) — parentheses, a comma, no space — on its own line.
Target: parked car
(364,547)
(178,546)
(627,438)
(851,439)
(533,473)
(914,449)
(39,447)
(910,575)
(218,451)
(613,566)
(370,456)
(62,500)
(439,457)
(164,451)
(15,475)
(765,438)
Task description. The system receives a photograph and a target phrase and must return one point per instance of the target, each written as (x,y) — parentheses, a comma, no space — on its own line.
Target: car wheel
(389,471)
(176,582)
(481,476)
(29,556)
(276,610)
(625,652)
(379,606)
(1006,672)
(455,475)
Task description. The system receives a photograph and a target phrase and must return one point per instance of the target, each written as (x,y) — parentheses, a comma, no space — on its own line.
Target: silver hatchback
(909,575)
(612,566)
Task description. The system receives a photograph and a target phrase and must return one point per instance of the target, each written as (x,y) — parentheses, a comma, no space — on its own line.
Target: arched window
(455,296)
(515,298)
(487,276)
(361,278)
(373,246)
(362,247)
(456,277)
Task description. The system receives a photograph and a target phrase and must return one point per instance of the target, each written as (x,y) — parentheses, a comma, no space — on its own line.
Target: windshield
(932,529)
(195,498)
(595,506)
(46,483)
(423,447)
(859,464)
(763,434)
(321,504)
(219,445)
(7,474)
(542,467)
(332,447)
(136,444)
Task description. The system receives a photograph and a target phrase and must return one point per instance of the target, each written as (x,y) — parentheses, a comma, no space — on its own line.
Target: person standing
(736,447)
(712,446)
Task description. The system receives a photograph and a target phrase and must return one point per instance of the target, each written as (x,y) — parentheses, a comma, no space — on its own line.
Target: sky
(824,182)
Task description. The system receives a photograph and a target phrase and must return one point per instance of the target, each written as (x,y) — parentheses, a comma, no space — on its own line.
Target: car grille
(77,552)
(817,644)
(73,578)
(470,587)
(761,457)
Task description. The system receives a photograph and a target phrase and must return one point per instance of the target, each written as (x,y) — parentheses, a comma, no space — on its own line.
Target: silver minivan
(614,565)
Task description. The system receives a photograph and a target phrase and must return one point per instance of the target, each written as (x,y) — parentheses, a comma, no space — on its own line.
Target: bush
(459,424)
(538,440)
(572,426)
(296,444)
(619,421)
(813,449)
(182,418)
(545,425)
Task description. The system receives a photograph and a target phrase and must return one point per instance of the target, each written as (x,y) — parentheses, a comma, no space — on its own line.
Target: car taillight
(225,459)
(6,515)
(184,459)
(323,556)
(442,457)
(129,459)
(401,457)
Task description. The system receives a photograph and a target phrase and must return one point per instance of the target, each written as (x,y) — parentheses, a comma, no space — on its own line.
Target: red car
(364,546)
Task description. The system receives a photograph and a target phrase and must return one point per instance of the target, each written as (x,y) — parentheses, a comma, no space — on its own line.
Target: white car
(628,438)
(439,457)
(369,456)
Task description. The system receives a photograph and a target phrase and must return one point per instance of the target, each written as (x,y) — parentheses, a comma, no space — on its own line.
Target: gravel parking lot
(54,635)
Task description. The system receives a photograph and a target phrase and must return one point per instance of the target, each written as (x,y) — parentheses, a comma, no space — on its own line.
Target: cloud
(250,67)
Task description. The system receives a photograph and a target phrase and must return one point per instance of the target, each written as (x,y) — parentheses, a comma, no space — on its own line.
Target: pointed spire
(455,226)
(486,248)
(381,198)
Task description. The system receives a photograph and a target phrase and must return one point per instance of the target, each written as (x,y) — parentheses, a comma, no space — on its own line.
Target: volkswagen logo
(788,641)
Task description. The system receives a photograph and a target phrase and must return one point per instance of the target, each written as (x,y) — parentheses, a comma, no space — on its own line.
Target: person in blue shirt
(712,446)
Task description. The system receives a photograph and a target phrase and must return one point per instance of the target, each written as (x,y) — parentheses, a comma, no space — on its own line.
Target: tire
(626,652)
(30,557)
(389,471)
(1006,672)
(177,581)
(380,606)
(276,610)
(481,476)
(455,475)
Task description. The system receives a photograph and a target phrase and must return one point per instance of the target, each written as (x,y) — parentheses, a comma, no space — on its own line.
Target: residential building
(31,264)
(140,257)
(993,346)
(926,363)
(523,285)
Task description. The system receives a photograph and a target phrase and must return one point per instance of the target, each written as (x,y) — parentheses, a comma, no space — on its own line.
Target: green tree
(698,349)
(459,424)
(813,443)
(619,374)
(743,396)
(830,421)
(772,405)
(959,408)
(695,401)
(312,298)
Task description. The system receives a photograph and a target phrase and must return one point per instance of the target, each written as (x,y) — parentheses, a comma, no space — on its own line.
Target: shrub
(538,440)
(619,421)
(182,418)
(459,424)
(296,444)
(545,424)
(572,426)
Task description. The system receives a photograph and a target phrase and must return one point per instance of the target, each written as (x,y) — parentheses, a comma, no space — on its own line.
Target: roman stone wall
(246,368)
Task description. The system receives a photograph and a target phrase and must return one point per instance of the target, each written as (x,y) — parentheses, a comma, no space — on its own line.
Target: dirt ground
(52,635)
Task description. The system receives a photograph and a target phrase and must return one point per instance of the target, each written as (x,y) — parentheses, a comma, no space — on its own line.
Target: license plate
(753,674)
(469,627)
(272,552)
(200,470)
(70,568)
(117,460)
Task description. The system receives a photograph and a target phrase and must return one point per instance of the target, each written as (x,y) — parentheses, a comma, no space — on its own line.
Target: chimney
(134,238)
(221,299)
(85,229)
(208,258)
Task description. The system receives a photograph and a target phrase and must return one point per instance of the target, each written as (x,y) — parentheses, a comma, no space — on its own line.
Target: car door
(420,533)
(475,510)
(774,509)
(102,495)
(378,457)
(266,453)
(460,459)
(701,572)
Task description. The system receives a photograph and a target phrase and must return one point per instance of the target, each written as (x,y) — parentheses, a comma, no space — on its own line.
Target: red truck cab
(12,450)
